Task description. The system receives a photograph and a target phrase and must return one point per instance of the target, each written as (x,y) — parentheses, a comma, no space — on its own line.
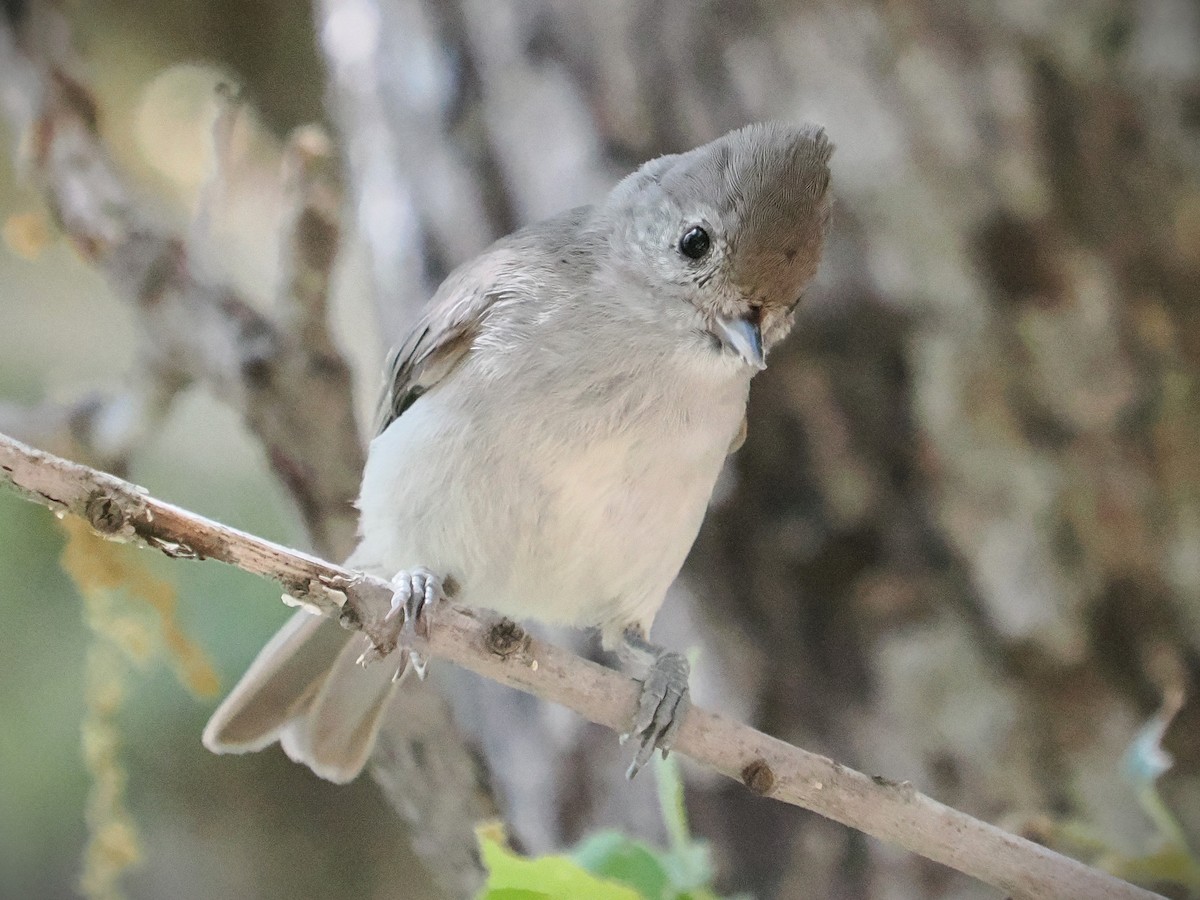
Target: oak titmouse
(552,429)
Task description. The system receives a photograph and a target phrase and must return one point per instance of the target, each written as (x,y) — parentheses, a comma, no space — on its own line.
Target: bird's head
(734,229)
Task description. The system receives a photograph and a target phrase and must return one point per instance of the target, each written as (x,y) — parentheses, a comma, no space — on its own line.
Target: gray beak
(743,337)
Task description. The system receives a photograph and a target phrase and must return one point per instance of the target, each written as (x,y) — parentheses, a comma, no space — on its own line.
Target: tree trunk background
(961,545)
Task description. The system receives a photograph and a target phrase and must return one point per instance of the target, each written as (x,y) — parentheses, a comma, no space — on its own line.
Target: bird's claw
(661,708)
(415,593)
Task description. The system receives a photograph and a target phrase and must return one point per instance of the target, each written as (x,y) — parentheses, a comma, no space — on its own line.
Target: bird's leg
(664,699)
(416,592)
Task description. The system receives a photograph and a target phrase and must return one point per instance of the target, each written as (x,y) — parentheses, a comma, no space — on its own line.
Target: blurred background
(961,546)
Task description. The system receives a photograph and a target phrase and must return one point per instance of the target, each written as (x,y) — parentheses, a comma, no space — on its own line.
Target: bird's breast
(570,502)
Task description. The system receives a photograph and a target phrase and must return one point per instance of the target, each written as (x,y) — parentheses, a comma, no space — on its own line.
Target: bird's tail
(306,691)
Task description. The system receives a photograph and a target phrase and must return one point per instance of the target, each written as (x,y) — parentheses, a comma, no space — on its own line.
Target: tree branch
(195,327)
(503,652)
(312,225)
(101,429)
(281,372)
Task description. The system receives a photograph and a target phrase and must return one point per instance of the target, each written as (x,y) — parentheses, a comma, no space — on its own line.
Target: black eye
(695,243)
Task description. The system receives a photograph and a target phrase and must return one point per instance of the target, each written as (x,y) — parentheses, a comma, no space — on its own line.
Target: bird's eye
(695,243)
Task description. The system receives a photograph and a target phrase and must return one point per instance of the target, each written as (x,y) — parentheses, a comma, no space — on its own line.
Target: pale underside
(577,507)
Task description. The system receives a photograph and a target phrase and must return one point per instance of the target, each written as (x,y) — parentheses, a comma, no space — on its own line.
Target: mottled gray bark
(960,544)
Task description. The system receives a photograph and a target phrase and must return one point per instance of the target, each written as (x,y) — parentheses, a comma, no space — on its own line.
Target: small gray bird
(553,427)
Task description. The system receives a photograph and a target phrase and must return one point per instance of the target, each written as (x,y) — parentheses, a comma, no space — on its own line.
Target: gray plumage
(551,431)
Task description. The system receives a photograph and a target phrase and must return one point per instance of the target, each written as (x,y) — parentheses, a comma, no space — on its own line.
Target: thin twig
(229,103)
(195,326)
(505,653)
(102,429)
(282,373)
(312,195)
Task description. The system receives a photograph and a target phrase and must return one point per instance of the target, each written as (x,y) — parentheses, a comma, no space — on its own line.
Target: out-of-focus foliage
(554,877)
(1170,861)
(113,581)
(208,827)
(26,234)
(608,865)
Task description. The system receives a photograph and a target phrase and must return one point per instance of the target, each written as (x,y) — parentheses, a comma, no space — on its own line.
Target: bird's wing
(439,340)
(511,269)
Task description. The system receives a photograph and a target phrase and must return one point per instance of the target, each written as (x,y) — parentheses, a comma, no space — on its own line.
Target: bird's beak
(743,336)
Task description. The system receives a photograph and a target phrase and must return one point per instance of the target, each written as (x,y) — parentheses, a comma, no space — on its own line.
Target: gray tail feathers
(306,691)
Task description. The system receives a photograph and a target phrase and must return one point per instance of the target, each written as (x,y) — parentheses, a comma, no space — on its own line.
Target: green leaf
(514,877)
(610,854)
(608,865)
(687,863)
(689,868)
(670,801)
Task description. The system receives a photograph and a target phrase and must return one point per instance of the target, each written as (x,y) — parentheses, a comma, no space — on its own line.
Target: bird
(552,429)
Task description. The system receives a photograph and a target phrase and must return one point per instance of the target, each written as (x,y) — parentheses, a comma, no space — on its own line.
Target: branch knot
(506,639)
(759,777)
(105,513)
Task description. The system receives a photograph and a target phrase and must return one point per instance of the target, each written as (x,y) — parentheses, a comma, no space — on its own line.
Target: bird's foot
(416,593)
(661,708)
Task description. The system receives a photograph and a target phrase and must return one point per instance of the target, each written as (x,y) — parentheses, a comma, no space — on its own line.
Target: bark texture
(960,544)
